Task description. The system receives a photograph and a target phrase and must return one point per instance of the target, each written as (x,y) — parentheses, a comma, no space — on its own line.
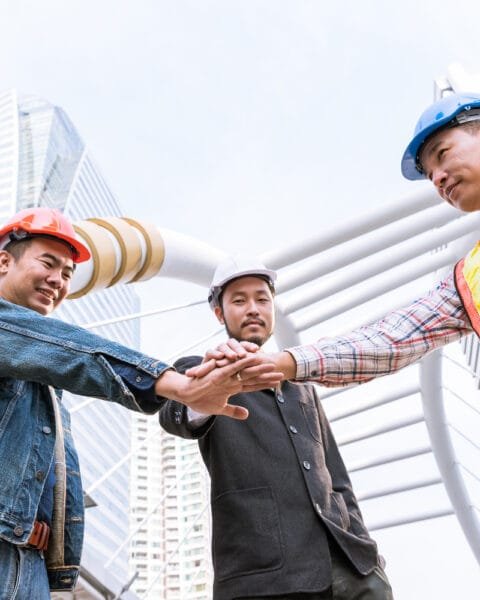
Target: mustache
(253,322)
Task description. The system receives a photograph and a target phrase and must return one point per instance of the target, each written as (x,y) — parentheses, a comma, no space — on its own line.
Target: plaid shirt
(401,338)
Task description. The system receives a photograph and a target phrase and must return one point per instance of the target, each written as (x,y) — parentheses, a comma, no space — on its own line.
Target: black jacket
(277,483)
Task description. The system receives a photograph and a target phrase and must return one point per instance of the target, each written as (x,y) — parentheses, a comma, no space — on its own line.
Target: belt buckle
(39,537)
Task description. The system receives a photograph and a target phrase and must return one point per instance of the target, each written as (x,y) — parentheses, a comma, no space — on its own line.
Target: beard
(255,339)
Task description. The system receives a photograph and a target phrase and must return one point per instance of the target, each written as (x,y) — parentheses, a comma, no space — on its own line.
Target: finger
(235,412)
(265,380)
(202,369)
(213,354)
(250,346)
(226,369)
(225,375)
(236,347)
(223,362)
(256,370)
(256,387)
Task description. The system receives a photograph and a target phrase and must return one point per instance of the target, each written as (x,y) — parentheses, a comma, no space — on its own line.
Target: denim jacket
(40,357)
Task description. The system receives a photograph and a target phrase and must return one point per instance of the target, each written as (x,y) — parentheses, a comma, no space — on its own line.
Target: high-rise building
(44,162)
(170,516)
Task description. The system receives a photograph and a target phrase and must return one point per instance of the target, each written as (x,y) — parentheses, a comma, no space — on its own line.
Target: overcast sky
(249,124)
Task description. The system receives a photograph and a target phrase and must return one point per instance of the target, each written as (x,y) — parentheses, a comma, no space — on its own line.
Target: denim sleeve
(140,384)
(52,352)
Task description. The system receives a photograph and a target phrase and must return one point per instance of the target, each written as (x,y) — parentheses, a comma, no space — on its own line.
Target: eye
(441,152)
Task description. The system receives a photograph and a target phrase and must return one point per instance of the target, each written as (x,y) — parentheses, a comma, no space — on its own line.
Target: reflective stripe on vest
(467,281)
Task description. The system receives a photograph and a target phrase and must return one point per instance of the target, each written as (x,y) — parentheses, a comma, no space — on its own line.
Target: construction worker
(445,148)
(286,523)
(41,500)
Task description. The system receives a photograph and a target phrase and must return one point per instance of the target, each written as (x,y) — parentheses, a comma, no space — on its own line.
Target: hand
(230,351)
(280,362)
(209,394)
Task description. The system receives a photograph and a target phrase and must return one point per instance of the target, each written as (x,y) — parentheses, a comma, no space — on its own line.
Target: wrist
(286,364)
(169,383)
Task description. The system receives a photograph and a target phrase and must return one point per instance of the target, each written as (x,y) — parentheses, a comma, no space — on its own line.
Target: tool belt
(39,537)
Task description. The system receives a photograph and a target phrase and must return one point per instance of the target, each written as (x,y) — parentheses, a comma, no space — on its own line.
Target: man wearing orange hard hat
(41,500)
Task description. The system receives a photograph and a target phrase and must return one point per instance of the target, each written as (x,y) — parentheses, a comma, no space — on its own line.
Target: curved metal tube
(443,450)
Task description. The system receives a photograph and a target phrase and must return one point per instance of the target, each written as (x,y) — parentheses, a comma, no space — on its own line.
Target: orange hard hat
(45,221)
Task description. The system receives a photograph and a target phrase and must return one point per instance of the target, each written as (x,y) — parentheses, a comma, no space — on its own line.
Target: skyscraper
(44,162)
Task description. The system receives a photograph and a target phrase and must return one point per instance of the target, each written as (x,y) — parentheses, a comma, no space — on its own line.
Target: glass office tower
(44,162)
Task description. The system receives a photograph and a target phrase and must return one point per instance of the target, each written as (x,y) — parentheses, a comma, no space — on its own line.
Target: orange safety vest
(467,282)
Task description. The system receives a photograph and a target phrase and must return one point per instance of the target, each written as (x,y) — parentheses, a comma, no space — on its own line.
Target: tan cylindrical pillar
(154,250)
(129,244)
(103,256)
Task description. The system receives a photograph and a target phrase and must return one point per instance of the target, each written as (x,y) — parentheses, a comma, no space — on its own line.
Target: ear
(6,260)
(219,314)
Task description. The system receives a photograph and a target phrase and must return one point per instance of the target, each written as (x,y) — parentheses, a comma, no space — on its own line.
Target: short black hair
(18,247)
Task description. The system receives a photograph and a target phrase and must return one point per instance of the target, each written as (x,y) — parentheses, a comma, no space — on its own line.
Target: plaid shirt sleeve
(399,339)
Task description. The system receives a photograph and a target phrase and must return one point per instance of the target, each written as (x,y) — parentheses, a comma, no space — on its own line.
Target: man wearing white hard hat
(445,148)
(286,523)
(41,499)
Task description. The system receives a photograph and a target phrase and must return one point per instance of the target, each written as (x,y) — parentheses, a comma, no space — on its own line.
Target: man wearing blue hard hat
(445,148)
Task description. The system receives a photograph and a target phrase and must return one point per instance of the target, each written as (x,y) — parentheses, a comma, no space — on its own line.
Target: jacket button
(306,465)
(138,378)
(46,429)
(39,475)
(293,429)
(18,531)
(280,398)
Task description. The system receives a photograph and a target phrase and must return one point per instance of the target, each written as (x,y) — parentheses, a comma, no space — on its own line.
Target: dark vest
(278,483)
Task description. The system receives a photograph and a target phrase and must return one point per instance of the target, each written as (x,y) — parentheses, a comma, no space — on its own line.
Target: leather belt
(39,537)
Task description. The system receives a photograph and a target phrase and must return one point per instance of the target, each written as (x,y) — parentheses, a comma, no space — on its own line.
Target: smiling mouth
(49,295)
(449,190)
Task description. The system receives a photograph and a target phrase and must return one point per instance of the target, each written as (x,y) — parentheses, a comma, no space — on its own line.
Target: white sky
(249,124)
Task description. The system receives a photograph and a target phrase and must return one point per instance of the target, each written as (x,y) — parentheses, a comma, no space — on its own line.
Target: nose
(55,278)
(439,177)
(252,308)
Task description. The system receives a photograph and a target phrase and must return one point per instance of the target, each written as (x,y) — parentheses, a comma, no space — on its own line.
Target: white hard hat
(234,267)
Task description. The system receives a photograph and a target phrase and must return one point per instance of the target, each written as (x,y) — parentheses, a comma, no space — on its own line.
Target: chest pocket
(311,414)
(10,391)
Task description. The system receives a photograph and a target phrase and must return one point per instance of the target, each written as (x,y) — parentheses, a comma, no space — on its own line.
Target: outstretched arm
(401,338)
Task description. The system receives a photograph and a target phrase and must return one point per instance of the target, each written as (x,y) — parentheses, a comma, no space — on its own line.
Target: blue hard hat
(437,115)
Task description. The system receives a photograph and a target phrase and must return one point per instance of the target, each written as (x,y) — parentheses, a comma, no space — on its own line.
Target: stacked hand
(231,368)
(232,351)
